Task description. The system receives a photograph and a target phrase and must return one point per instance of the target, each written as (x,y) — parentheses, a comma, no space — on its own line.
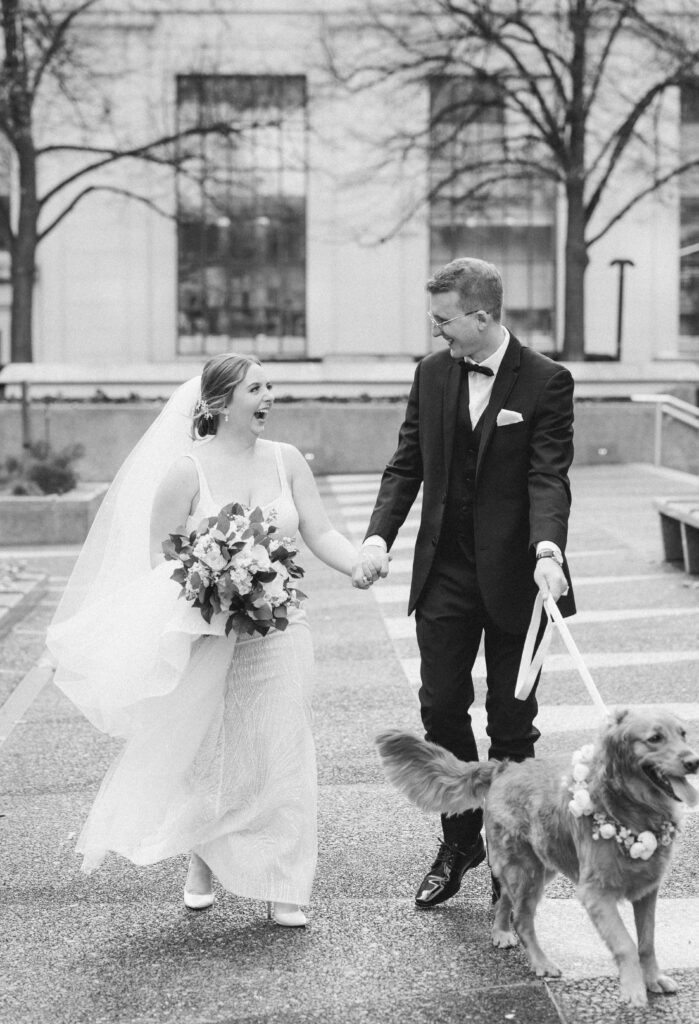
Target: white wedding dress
(219,757)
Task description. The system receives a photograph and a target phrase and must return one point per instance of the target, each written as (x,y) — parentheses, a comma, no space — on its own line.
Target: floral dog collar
(638,846)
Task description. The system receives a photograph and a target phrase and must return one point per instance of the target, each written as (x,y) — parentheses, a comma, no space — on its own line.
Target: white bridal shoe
(198,900)
(286,914)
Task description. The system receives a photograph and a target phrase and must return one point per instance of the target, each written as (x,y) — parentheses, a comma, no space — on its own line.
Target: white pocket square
(506,417)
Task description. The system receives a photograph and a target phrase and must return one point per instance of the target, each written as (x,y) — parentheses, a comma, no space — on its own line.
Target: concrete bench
(679,523)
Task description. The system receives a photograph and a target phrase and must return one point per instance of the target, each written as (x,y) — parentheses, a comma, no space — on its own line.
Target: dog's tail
(432,777)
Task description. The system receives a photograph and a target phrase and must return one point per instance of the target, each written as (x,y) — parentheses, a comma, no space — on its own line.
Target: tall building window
(473,212)
(689,216)
(241,210)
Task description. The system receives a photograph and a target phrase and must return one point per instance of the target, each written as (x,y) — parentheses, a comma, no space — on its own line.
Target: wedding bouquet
(234,565)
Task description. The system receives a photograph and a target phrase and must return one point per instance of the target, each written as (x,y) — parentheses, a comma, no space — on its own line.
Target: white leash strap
(529,667)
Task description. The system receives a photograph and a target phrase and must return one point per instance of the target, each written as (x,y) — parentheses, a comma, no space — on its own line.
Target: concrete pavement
(120,947)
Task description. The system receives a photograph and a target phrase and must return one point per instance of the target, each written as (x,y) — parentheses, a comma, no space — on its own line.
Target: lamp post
(622,265)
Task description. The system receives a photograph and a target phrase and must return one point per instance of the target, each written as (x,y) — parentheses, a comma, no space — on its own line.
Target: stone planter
(49,518)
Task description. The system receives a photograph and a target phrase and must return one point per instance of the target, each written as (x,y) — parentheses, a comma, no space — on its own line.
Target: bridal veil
(106,636)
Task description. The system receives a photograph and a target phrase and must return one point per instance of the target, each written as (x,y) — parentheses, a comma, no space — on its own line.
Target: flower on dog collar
(581,802)
(638,846)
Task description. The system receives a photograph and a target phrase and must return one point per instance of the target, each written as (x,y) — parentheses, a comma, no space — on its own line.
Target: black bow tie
(468,367)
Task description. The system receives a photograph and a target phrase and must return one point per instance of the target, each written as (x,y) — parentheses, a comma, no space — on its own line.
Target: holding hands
(371,565)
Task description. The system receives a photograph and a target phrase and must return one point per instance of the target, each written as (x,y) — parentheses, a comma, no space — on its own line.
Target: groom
(488,433)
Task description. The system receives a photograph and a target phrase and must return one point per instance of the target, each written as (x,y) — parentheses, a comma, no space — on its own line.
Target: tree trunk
(21,315)
(576,250)
(576,260)
(23,256)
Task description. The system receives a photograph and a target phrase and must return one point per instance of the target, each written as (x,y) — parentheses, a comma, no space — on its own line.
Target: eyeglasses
(443,323)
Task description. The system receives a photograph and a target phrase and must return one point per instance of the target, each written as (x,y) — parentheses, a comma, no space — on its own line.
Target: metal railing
(674,408)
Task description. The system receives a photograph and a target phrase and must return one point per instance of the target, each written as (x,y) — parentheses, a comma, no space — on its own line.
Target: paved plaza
(120,946)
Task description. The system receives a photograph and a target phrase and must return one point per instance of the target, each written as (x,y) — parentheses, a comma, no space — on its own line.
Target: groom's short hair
(478,284)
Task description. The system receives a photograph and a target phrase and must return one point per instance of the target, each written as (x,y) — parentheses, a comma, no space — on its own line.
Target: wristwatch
(549,553)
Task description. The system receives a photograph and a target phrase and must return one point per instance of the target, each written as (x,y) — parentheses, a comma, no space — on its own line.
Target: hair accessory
(205,410)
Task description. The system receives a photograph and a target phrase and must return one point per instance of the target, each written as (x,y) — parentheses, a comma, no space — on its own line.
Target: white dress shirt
(480,387)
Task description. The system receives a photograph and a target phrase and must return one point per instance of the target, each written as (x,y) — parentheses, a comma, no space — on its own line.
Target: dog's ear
(615,748)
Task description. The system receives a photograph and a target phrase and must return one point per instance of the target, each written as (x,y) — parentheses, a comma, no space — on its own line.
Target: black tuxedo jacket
(522,494)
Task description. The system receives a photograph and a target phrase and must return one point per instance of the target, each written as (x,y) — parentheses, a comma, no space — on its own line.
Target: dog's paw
(546,969)
(504,939)
(661,983)
(634,995)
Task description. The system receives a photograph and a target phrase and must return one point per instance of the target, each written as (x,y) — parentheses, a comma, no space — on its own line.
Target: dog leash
(530,667)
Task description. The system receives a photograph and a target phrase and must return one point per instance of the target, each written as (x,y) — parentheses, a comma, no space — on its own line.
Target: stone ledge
(49,518)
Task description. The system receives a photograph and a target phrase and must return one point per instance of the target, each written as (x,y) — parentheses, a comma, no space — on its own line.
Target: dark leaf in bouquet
(256,515)
(206,612)
(239,622)
(299,595)
(179,575)
(225,588)
(281,620)
(266,576)
(170,549)
(282,553)
(203,528)
(235,547)
(295,571)
(232,509)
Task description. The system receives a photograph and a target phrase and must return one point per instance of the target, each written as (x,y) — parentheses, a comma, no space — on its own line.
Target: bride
(219,758)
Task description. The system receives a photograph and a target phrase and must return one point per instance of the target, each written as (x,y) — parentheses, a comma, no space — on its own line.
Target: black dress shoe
(444,877)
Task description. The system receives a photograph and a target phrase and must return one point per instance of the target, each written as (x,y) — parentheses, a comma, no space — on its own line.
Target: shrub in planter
(41,470)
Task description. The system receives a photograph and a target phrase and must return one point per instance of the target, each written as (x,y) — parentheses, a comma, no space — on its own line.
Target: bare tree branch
(620,139)
(56,42)
(654,186)
(146,152)
(88,190)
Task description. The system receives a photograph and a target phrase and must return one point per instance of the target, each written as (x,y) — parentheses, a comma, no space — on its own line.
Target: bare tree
(583,87)
(46,73)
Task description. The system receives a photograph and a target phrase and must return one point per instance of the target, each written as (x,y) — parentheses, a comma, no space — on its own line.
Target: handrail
(676,409)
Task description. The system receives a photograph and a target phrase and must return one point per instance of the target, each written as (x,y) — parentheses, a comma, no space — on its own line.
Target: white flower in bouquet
(276,592)
(258,559)
(240,580)
(206,550)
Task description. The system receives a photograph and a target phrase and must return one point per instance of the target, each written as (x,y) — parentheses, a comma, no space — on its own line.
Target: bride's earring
(225,417)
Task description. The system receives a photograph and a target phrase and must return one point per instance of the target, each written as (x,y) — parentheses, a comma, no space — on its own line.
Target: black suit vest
(457,526)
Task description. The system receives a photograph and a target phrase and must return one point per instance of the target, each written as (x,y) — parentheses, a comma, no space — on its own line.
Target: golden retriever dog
(608,825)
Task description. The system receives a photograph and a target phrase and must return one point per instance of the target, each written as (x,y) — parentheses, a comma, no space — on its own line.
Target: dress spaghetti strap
(286,490)
(204,491)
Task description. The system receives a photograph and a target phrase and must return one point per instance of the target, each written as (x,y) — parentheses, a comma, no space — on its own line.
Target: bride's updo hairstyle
(219,379)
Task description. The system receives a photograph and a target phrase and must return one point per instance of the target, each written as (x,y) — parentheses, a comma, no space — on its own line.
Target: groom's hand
(371,565)
(550,578)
